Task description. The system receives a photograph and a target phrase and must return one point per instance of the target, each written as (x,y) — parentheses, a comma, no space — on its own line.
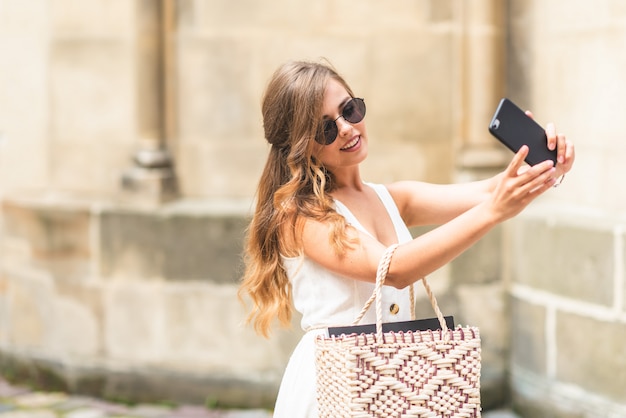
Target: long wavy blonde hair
(294,186)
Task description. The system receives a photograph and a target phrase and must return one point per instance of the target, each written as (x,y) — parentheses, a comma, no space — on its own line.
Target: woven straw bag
(398,374)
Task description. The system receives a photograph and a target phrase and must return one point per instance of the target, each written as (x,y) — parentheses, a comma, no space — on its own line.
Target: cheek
(324,155)
(329,155)
(361,127)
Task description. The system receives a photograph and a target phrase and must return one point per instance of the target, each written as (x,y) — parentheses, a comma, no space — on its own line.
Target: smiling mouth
(351,144)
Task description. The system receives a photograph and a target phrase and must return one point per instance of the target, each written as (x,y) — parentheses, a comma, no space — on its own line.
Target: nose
(343,126)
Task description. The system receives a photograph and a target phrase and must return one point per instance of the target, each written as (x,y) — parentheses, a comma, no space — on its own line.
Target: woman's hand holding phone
(517,187)
(566,153)
(515,128)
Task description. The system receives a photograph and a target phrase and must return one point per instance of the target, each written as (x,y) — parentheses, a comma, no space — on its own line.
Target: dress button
(394,309)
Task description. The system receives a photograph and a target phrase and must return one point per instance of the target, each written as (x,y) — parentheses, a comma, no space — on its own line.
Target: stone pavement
(20,402)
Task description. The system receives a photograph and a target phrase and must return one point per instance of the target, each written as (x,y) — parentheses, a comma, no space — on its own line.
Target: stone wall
(568,314)
(132,304)
(67,100)
(565,262)
(401,59)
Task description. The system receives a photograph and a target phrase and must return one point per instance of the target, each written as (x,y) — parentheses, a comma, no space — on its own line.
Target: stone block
(404,161)
(528,336)
(538,396)
(18,17)
(4,311)
(132,322)
(172,245)
(534,408)
(31,306)
(74,330)
(215,101)
(441,11)
(623,278)
(92,18)
(221,168)
(42,320)
(204,326)
(55,238)
(412,74)
(484,306)
(571,260)
(482,263)
(614,167)
(590,175)
(591,354)
(24,99)
(220,143)
(94,79)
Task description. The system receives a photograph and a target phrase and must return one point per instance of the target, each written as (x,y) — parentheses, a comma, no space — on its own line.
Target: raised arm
(435,204)
(510,193)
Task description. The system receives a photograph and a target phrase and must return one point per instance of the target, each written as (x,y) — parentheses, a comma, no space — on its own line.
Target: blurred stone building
(131,143)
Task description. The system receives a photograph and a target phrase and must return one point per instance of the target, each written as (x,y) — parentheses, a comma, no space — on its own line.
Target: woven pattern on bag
(408,375)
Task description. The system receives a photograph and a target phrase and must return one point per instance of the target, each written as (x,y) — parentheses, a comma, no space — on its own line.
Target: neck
(348,178)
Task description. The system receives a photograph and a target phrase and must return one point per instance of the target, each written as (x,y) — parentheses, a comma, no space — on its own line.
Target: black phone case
(511,126)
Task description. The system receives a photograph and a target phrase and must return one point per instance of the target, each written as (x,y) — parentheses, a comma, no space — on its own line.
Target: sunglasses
(353,112)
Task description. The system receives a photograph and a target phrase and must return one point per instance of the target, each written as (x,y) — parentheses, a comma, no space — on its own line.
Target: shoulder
(415,199)
(403,193)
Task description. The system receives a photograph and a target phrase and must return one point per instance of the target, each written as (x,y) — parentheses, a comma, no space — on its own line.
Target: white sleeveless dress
(327,299)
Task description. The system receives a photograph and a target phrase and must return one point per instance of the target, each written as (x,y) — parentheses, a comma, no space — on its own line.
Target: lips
(355,141)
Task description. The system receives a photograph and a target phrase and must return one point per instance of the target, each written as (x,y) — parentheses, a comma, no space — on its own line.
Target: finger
(537,175)
(561,148)
(551,135)
(570,155)
(541,180)
(542,186)
(537,170)
(517,161)
(570,152)
(529,114)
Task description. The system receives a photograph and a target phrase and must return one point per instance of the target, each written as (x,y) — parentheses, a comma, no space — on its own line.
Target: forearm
(431,251)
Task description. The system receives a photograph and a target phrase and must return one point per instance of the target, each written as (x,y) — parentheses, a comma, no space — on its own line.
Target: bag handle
(381,274)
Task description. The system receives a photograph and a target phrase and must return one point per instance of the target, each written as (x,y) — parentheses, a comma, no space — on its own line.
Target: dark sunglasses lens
(330,132)
(354,110)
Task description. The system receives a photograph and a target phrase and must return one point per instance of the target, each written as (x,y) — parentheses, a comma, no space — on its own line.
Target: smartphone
(511,126)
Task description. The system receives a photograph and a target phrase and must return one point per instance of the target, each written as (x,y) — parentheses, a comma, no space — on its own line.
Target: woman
(318,230)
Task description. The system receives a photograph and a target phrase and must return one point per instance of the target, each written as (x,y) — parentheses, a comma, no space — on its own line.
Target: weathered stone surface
(171,245)
(570,260)
(52,231)
(528,336)
(581,342)
(482,263)
(81,327)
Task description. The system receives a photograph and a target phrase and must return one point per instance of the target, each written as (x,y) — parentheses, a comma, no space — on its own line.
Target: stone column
(152,179)
(480,78)
(479,287)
